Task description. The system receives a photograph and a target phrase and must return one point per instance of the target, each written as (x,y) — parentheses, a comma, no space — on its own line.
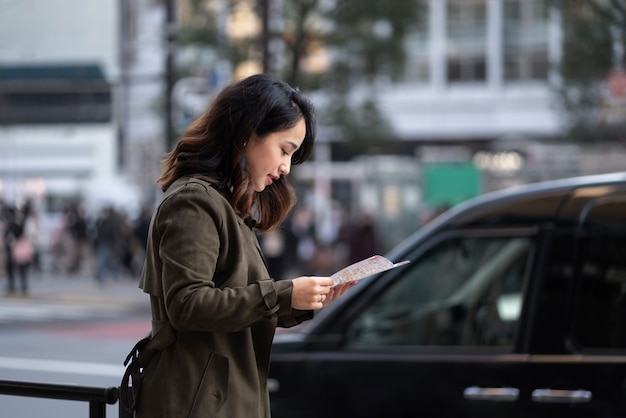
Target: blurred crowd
(106,246)
(110,245)
(303,247)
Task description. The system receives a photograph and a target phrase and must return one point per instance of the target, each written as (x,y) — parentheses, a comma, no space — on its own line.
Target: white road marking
(62,366)
(49,312)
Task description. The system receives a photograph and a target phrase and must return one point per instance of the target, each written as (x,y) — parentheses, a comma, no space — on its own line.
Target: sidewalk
(50,287)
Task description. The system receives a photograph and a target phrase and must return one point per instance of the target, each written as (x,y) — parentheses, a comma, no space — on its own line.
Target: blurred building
(476,111)
(479,70)
(58,72)
(71,73)
(478,91)
(85,85)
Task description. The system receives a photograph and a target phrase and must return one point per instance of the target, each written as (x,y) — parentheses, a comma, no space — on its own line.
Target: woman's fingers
(336,291)
(316,292)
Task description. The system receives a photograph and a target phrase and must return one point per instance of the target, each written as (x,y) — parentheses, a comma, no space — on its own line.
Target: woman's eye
(285,153)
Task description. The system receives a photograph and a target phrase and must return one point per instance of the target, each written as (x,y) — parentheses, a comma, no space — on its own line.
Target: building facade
(478,70)
(476,111)
(58,74)
(83,88)
(80,90)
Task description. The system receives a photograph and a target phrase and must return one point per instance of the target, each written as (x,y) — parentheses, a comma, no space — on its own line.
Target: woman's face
(269,157)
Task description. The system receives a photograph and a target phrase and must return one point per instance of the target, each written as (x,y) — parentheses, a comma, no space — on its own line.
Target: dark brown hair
(212,147)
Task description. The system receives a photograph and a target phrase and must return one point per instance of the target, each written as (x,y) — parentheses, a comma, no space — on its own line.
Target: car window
(600,310)
(581,303)
(464,291)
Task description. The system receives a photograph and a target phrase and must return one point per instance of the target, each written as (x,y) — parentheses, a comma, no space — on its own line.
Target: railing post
(95,396)
(97,409)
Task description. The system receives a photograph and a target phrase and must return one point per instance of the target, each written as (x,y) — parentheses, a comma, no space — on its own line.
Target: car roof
(554,200)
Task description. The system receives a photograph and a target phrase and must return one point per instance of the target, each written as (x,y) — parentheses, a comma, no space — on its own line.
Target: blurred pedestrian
(3,255)
(34,232)
(18,248)
(273,247)
(141,226)
(300,241)
(362,239)
(107,251)
(76,224)
(61,246)
(214,305)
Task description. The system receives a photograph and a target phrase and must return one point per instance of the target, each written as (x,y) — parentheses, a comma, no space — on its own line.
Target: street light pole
(170,48)
(265,35)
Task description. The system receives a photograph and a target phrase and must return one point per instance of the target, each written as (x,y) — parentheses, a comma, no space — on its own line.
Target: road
(68,331)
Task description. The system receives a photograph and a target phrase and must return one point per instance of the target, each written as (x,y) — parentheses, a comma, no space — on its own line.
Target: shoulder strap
(161,337)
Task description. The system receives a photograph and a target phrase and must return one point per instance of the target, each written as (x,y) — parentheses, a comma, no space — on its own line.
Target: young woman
(214,306)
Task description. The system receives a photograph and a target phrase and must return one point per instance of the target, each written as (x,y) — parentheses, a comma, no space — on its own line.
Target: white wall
(59,159)
(55,159)
(60,31)
(470,112)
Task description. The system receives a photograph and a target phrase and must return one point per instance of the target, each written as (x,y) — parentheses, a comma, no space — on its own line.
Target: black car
(513,305)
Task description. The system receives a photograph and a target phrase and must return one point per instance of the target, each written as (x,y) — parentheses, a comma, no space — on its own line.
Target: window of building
(466,43)
(525,32)
(418,47)
(54,94)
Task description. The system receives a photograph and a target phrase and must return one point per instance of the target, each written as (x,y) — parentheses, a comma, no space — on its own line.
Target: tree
(589,55)
(364,44)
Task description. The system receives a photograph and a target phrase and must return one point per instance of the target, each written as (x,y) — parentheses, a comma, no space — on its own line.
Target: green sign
(447,184)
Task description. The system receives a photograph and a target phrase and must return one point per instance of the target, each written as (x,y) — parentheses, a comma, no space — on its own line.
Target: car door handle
(476,393)
(561,396)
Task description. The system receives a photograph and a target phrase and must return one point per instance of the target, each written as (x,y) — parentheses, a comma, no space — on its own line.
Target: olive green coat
(214,309)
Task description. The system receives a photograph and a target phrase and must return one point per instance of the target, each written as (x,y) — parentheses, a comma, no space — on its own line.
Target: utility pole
(170,49)
(265,35)
(272,24)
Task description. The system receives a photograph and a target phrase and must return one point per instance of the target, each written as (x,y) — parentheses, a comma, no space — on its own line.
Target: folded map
(359,270)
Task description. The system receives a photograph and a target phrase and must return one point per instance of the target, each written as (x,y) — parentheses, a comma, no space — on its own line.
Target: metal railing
(97,397)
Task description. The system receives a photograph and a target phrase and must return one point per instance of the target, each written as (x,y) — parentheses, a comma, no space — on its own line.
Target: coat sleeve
(208,277)
(278,296)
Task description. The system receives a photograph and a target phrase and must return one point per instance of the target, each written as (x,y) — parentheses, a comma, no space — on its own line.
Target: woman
(214,306)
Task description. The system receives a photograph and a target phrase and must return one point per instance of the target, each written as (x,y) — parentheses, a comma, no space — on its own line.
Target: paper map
(357,271)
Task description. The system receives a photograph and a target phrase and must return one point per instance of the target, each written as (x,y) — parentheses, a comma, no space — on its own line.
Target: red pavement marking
(106,330)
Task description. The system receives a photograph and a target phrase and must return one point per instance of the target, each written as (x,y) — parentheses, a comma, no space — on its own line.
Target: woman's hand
(312,292)
(337,291)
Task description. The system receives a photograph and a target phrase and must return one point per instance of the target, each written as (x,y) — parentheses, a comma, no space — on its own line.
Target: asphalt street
(68,330)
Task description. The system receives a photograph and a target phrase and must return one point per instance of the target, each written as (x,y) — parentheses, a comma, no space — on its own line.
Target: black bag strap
(161,337)
(137,359)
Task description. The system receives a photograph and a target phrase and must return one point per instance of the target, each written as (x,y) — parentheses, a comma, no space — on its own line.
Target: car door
(578,360)
(435,338)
